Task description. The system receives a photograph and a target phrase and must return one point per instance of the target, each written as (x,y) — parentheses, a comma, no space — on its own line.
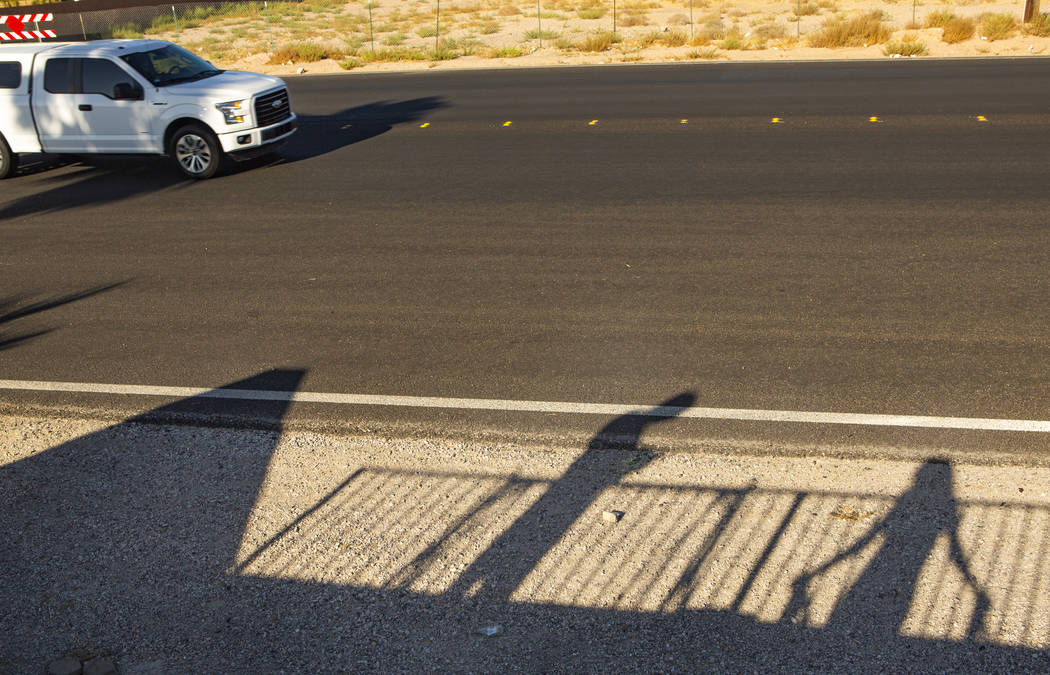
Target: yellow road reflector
(507,123)
(873,119)
(685,121)
(982,118)
(592,123)
(424,125)
(776,120)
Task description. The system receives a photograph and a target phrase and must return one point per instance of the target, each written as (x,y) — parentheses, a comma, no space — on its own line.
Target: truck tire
(196,151)
(8,160)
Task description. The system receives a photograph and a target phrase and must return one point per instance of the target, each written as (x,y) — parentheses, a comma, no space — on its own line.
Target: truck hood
(230,85)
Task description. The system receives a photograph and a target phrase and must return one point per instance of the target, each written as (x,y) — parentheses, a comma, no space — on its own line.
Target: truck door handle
(85,107)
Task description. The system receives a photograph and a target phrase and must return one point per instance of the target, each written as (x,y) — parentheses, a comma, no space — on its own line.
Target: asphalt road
(681,243)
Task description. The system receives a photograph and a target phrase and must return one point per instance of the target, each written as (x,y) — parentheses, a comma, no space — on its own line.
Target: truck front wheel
(8,160)
(196,151)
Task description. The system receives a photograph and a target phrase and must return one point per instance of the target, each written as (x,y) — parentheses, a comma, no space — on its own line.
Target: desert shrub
(770,31)
(394,39)
(678,20)
(302,52)
(541,35)
(394,54)
(732,43)
(1038,26)
(489,27)
(427,31)
(673,38)
(507,52)
(629,20)
(939,19)
(807,9)
(860,31)
(508,10)
(591,13)
(351,63)
(706,53)
(997,26)
(597,42)
(126,30)
(713,30)
(908,46)
(958,30)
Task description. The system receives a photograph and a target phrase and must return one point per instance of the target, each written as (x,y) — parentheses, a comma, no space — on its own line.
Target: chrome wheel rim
(193,153)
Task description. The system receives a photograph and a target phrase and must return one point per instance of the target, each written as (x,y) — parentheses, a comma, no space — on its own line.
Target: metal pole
(691,20)
(82,30)
(38,37)
(539,24)
(614,18)
(914,4)
(798,20)
(371,34)
(437,26)
(269,26)
(176,19)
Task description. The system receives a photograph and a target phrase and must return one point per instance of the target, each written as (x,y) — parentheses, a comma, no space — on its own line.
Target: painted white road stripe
(864,419)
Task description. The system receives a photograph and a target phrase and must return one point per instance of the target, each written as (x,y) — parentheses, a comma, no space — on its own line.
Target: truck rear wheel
(8,160)
(196,151)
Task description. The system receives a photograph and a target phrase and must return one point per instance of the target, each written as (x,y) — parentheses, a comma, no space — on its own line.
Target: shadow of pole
(14,308)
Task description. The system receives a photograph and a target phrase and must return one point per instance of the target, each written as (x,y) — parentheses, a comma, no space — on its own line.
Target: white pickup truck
(136,97)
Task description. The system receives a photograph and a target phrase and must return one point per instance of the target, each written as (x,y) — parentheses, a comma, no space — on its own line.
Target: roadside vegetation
(356,33)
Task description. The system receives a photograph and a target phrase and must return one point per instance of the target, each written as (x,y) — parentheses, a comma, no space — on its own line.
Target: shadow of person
(110,536)
(497,572)
(876,606)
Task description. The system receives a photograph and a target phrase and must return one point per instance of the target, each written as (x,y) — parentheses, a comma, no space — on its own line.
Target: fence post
(798,20)
(691,37)
(176,19)
(83,31)
(371,33)
(539,24)
(38,38)
(437,27)
(914,4)
(614,19)
(269,27)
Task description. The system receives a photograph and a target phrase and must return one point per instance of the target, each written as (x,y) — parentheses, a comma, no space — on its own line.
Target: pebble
(612,516)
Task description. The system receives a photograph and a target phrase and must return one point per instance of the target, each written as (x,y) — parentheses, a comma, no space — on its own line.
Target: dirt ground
(406,34)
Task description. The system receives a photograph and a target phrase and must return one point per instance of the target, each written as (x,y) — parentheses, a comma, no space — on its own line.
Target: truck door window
(10,74)
(62,76)
(100,76)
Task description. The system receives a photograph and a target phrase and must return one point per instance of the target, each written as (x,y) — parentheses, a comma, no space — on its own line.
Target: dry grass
(597,42)
(508,10)
(770,31)
(958,30)
(302,52)
(630,20)
(909,45)
(1039,26)
(860,31)
(998,26)
(678,20)
(673,38)
(707,53)
(939,19)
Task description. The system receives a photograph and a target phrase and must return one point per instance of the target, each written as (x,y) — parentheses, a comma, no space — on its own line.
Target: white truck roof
(92,48)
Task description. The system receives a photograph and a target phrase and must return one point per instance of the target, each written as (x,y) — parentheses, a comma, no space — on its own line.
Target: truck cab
(134,97)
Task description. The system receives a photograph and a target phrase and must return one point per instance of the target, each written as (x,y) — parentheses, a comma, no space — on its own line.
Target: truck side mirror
(126,91)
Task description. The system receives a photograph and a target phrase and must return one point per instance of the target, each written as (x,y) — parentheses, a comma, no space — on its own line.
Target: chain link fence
(246,33)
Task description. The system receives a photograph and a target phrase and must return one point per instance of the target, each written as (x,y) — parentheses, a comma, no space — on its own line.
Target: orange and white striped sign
(16,27)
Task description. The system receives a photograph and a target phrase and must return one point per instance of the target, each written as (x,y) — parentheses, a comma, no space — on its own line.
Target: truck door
(77,109)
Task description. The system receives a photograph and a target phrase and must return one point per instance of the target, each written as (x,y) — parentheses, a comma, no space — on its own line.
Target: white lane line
(864,419)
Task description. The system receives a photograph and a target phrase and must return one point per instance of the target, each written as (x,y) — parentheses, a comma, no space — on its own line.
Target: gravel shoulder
(189,549)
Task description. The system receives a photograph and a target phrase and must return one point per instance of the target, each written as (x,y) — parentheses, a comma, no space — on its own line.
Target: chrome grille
(272,108)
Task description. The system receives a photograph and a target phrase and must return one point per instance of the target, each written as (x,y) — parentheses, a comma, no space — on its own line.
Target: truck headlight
(234,111)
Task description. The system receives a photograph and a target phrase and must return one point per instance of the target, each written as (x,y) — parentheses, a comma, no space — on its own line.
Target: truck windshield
(170,65)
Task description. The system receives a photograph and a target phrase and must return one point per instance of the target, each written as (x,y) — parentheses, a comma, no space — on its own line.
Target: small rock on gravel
(102,665)
(65,666)
(612,516)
